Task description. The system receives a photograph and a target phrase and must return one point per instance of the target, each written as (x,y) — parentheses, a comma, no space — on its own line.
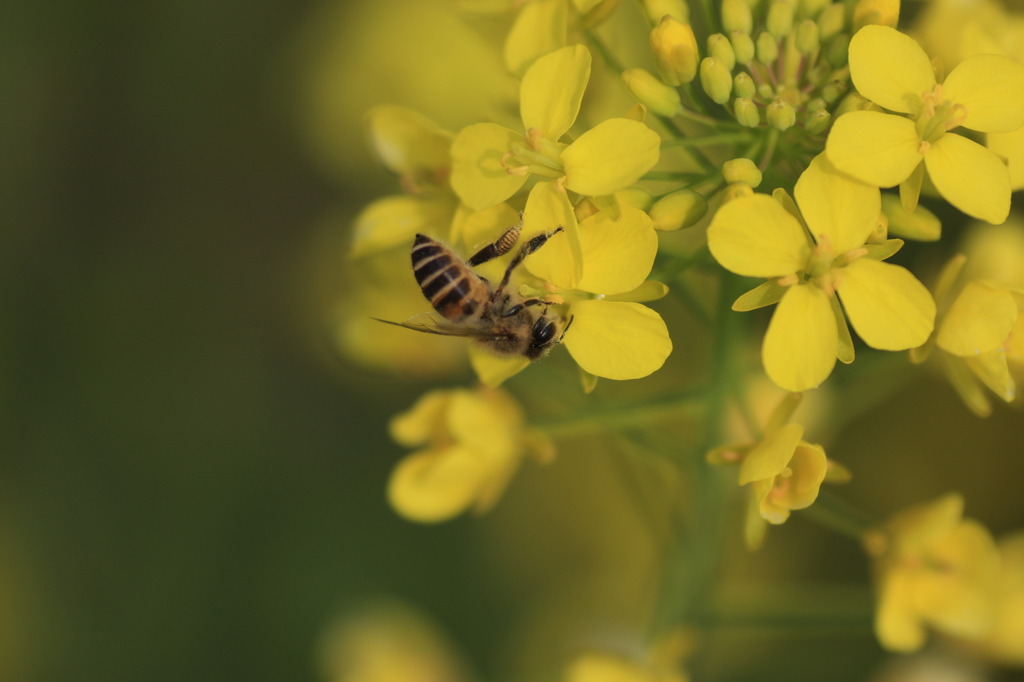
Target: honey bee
(496,318)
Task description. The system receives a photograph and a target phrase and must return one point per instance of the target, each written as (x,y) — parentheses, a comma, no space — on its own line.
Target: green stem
(699,140)
(622,417)
(836,514)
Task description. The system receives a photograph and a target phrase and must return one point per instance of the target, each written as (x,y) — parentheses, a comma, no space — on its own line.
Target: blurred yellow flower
(979,331)
(472,443)
(983,93)
(934,569)
(1005,643)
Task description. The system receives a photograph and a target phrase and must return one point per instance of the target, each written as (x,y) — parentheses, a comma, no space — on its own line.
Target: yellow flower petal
(887,306)
(408,141)
(617,254)
(769,457)
(1010,146)
(435,485)
(876,148)
(890,68)
(843,210)
(979,320)
(488,422)
(422,421)
(970,177)
(610,156)
(552,90)
(393,221)
(994,372)
(493,370)
(897,625)
(799,349)
(991,88)
(560,260)
(809,465)
(617,340)
(478,175)
(539,27)
(756,237)
(960,597)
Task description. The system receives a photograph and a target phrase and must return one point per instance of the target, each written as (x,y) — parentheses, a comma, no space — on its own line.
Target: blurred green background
(191,481)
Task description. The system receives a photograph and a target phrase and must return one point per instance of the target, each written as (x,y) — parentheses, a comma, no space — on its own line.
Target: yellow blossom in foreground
(490,163)
(983,93)
(934,569)
(756,236)
(471,445)
(662,662)
(975,331)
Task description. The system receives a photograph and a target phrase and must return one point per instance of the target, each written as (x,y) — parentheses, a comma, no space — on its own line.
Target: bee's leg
(565,329)
(527,248)
(500,247)
(519,306)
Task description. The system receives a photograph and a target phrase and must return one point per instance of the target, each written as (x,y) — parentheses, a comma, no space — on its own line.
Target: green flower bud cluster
(782,65)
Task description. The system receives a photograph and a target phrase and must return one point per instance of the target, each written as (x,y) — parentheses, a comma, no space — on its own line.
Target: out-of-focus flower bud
(780,18)
(741,170)
(716,79)
(743,85)
(679,209)
(736,16)
(746,112)
(767,48)
(675,51)
(807,37)
(656,9)
(743,47)
(781,114)
(651,92)
(720,47)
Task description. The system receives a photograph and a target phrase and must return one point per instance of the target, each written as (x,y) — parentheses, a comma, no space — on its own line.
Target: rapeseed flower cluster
(658,159)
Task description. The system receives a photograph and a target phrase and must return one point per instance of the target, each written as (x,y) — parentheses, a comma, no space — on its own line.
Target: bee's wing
(430,325)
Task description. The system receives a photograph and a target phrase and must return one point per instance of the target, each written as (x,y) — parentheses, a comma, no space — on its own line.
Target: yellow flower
(1006,641)
(490,163)
(756,236)
(661,662)
(974,331)
(784,471)
(984,93)
(935,569)
(472,443)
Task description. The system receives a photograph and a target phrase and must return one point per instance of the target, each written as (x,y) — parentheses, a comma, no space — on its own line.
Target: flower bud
(651,92)
(780,114)
(919,224)
(715,79)
(853,102)
(767,48)
(766,91)
(743,47)
(736,16)
(816,122)
(720,47)
(736,190)
(881,12)
(831,21)
(807,37)
(743,85)
(809,9)
(746,112)
(741,170)
(656,9)
(833,90)
(780,18)
(837,51)
(675,51)
(679,209)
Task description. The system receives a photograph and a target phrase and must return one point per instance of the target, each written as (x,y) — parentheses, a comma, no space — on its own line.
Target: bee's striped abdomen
(451,287)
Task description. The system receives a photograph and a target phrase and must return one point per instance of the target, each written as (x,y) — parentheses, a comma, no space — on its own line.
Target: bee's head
(543,336)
